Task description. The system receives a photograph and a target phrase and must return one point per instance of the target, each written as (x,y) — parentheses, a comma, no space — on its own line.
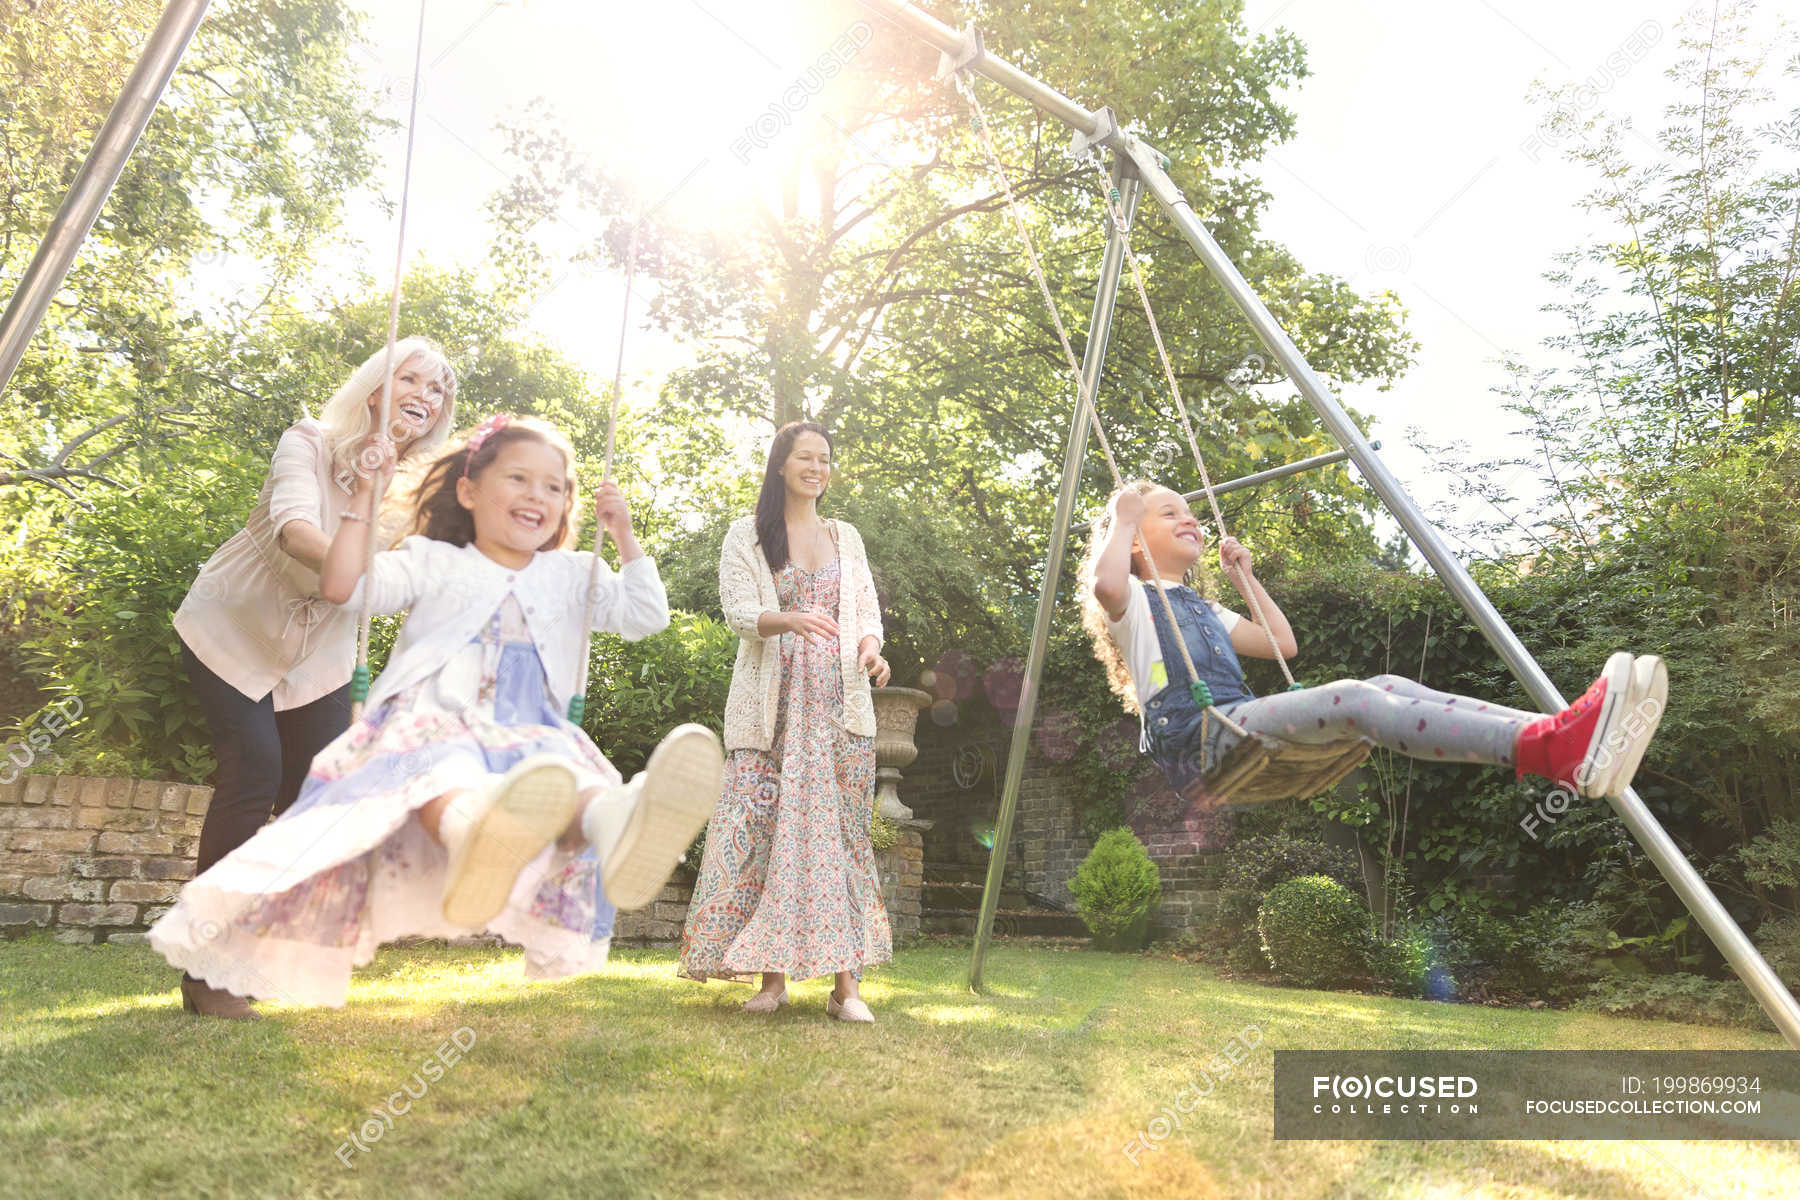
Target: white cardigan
(453,590)
(746,591)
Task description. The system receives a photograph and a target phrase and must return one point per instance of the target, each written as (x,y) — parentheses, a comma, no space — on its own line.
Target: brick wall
(99,860)
(94,859)
(1048,843)
(902,870)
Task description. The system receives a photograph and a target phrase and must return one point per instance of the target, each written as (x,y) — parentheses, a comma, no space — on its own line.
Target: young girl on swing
(464,800)
(1593,747)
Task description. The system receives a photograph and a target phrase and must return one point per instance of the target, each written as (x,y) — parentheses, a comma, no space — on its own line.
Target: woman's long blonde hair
(1093,616)
(348,420)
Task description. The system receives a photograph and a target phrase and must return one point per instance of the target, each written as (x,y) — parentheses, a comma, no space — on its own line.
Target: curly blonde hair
(1093,615)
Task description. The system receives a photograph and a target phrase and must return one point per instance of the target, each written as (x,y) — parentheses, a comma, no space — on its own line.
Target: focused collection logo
(1383,1095)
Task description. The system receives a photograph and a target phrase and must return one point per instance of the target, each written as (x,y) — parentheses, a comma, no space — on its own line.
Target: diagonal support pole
(1112,262)
(94,183)
(1764,985)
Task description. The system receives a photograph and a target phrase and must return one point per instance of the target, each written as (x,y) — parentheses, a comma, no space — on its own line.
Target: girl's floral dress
(288,914)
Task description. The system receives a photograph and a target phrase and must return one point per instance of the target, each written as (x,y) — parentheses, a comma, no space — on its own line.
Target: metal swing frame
(1138,166)
(1143,168)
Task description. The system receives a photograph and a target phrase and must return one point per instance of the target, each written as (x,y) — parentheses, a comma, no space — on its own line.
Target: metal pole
(1261,477)
(933,31)
(1093,354)
(1743,956)
(1274,473)
(94,183)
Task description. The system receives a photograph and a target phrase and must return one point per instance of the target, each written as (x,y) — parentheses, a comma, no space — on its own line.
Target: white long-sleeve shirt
(453,590)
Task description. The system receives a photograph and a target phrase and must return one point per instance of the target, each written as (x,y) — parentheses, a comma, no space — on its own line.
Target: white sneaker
(1630,737)
(496,833)
(1593,777)
(641,829)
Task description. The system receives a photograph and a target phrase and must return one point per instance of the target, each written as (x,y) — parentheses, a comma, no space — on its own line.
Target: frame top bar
(928,28)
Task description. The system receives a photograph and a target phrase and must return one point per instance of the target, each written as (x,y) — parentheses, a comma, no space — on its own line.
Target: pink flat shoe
(766,1002)
(852,1009)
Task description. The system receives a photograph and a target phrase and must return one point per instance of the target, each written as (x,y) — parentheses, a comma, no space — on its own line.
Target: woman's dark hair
(438,514)
(771,502)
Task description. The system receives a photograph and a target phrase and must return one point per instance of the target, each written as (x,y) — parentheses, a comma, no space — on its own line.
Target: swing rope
(359,678)
(1084,398)
(578,701)
(1116,212)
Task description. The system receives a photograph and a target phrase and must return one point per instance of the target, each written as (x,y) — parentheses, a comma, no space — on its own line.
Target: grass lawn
(638,1083)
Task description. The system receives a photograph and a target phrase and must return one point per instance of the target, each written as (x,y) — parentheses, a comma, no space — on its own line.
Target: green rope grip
(577,706)
(1114,194)
(1201,693)
(359,683)
(1296,686)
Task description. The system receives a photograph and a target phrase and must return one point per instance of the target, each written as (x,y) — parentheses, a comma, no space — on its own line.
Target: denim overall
(1172,720)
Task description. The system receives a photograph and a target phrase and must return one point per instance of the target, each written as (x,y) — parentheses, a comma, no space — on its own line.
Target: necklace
(812,543)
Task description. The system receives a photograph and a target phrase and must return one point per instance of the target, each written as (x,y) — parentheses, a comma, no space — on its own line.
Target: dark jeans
(263,755)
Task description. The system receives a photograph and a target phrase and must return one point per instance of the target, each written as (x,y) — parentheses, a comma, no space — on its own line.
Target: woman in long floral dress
(787,884)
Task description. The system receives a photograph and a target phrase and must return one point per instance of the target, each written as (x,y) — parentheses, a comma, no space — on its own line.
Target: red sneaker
(1567,748)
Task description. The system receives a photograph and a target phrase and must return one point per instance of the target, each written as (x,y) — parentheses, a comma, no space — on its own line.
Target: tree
(1667,439)
(887,296)
(262,135)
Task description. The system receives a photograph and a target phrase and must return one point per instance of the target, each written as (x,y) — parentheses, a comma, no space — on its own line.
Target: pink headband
(482,433)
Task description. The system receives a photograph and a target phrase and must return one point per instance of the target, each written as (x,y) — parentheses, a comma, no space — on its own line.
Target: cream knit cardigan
(746,591)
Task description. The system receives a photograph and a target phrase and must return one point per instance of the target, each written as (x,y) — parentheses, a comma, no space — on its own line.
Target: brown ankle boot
(204,1000)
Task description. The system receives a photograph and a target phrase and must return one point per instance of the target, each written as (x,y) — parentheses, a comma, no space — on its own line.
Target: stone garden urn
(896,716)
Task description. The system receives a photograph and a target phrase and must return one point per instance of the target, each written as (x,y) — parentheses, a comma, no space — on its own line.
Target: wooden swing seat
(1262,769)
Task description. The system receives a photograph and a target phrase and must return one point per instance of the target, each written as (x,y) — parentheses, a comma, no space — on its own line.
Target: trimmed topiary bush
(1256,864)
(1314,931)
(1115,888)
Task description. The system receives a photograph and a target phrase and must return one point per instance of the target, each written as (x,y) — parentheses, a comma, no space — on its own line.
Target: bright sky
(1418,165)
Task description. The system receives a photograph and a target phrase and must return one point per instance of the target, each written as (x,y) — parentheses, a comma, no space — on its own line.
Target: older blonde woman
(268,658)
(787,885)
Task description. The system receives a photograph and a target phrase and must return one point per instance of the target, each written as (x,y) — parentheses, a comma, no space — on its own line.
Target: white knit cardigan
(746,591)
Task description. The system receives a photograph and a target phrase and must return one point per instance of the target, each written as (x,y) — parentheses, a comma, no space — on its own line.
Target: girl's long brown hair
(1093,615)
(437,513)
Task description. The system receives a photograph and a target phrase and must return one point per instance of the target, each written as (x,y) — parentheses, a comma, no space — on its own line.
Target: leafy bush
(638,691)
(1314,931)
(1259,863)
(883,833)
(90,604)
(1561,949)
(1681,996)
(1403,964)
(1240,944)
(1115,888)
(1779,941)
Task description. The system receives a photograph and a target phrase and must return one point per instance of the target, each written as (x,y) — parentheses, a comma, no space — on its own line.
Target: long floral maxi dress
(288,914)
(787,881)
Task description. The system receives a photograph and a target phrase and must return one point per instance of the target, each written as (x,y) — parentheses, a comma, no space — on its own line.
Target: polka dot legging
(1393,712)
